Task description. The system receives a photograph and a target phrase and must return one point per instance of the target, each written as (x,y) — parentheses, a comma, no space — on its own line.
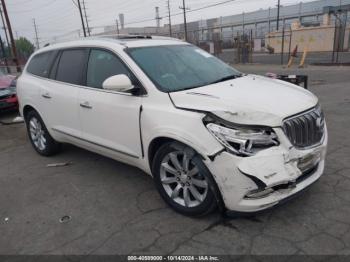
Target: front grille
(305,130)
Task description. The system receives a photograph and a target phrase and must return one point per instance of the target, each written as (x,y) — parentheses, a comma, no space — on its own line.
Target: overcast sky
(61,17)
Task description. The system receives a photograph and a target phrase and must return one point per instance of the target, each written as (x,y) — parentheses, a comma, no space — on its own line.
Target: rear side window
(40,64)
(71,66)
(103,64)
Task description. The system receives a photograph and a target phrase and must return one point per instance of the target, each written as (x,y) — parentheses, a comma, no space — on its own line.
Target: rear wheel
(183,181)
(40,138)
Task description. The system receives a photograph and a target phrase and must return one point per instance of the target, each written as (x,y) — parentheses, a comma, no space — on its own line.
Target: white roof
(115,43)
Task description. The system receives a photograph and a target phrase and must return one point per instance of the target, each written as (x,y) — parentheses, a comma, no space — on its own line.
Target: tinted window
(103,64)
(70,68)
(40,64)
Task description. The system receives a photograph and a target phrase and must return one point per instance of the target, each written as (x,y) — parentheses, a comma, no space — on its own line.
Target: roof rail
(131,37)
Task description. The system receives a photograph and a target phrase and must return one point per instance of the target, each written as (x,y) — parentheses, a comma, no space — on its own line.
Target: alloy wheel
(37,134)
(182,180)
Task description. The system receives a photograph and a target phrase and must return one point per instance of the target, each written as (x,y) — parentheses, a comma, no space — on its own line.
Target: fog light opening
(259,193)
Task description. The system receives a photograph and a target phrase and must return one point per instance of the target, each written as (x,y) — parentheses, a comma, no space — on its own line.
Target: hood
(248,100)
(6,80)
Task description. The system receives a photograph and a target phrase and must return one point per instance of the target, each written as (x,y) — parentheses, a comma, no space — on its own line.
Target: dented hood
(250,100)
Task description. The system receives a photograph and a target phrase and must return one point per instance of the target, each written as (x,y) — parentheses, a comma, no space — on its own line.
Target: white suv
(209,135)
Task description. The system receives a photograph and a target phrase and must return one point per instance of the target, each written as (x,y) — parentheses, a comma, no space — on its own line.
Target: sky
(60,18)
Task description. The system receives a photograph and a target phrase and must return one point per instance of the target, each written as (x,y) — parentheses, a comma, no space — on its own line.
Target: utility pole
(36,34)
(86,18)
(169,15)
(282,47)
(81,17)
(158,18)
(5,28)
(14,51)
(117,23)
(278,14)
(185,22)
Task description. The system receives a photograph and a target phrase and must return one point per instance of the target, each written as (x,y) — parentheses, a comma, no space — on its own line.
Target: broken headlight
(243,141)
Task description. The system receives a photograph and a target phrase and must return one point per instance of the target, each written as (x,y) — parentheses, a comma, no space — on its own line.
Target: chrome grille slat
(305,130)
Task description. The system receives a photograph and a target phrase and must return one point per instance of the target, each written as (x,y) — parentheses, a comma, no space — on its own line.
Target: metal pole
(282,51)
(13,44)
(117,23)
(290,42)
(36,34)
(269,20)
(185,22)
(169,14)
(86,19)
(81,17)
(278,14)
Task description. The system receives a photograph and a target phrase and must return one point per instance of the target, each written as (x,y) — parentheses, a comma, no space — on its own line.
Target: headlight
(243,141)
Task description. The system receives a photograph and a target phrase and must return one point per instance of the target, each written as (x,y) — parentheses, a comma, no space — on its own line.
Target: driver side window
(102,65)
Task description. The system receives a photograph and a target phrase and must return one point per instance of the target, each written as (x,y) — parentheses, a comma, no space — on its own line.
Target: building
(325,22)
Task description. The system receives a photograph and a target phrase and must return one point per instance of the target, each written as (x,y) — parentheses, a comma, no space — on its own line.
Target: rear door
(61,95)
(109,119)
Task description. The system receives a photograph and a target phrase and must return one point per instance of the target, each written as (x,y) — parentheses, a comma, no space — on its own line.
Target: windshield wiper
(226,78)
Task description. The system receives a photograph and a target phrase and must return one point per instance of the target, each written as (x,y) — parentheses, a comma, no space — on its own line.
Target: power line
(75,3)
(172,15)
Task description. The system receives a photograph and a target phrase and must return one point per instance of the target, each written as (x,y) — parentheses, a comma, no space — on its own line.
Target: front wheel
(183,181)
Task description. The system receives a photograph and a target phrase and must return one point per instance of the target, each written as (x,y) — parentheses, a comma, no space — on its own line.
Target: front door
(109,120)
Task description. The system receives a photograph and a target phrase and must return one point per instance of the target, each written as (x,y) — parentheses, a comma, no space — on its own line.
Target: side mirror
(119,83)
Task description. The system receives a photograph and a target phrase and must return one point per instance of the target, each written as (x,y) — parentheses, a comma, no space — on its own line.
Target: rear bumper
(275,168)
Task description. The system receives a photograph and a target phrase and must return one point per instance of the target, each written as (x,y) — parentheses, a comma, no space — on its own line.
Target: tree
(24,47)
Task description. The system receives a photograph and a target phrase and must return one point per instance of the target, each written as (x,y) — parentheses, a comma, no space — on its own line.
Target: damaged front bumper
(251,184)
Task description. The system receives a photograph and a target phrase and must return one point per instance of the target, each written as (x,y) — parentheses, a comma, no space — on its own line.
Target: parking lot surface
(115,209)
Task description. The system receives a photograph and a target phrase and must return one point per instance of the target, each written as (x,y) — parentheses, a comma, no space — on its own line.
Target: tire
(39,136)
(183,180)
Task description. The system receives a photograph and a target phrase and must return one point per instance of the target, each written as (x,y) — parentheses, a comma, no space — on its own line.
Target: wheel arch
(157,142)
(27,108)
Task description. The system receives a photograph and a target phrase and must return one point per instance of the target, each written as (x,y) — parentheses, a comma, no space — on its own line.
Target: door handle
(46,95)
(86,105)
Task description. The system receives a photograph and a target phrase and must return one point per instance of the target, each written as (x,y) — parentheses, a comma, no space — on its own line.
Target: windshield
(180,67)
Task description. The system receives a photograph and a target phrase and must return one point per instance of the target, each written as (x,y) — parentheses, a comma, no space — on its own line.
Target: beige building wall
(315,39)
